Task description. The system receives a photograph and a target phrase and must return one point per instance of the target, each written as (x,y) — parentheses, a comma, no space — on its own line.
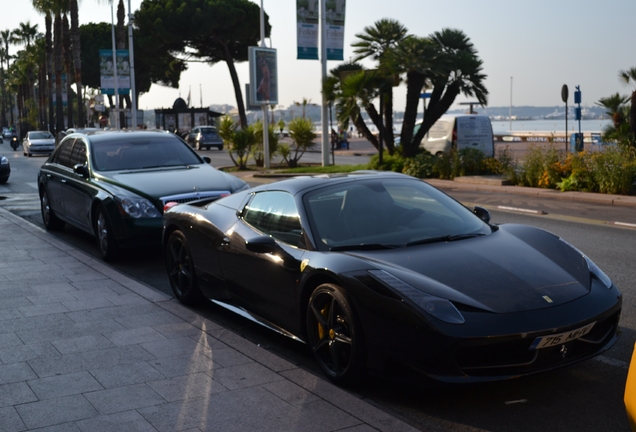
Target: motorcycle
(14,142)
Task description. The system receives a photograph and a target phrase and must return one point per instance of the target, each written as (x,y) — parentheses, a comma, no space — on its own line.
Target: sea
(542,125)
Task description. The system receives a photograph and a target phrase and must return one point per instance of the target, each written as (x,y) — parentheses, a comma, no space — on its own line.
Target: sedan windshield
(377,214)
(131,154)
(40,135)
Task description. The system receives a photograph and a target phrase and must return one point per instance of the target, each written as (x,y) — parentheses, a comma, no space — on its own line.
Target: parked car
(114,185)
(5,169)
(6,133)
(382,272)
(204,136)
(38,142)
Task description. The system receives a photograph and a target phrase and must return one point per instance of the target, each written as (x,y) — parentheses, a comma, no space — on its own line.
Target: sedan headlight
(437,307)
(4,160)
(595,271)
(138,207)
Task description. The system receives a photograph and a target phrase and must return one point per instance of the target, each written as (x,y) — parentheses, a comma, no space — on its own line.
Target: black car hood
(516,268)
(171,181)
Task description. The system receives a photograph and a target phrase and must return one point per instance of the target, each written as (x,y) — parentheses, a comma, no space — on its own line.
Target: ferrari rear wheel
(180,266)
(335,335)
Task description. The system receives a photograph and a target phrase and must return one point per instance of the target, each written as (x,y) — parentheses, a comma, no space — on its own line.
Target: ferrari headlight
(138,207)
(437,307)
(4,160)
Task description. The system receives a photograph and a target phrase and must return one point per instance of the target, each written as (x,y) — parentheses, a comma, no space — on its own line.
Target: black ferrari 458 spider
(383,273)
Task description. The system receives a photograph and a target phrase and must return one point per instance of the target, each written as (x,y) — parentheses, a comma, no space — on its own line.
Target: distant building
(181,118)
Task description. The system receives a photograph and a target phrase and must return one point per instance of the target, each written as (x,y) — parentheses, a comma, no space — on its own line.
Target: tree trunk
(49,71)
(632,118)
(415,82)
(68,66)
(77,62)
(57,58)
(238,94)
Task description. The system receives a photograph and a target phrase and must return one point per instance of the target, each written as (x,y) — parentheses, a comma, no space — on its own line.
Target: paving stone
(149,319)
(64,385)
(247,375)
(10,421)
(127,374)
(127,421)
(15,394)
(186,387)
(82,343)
(177,366)
(227,357)
(175,347)
(135,336)
(9,339)
(16,372)
(56,411)
(119,399)
(43,309)
(291,393)
(27,352)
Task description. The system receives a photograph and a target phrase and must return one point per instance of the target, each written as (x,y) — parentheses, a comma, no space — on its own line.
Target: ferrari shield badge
(303,264)
(548,299)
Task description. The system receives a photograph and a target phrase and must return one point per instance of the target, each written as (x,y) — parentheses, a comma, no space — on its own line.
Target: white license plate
(561,338)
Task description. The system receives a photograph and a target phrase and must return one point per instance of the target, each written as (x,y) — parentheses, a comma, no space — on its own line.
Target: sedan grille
(193,196)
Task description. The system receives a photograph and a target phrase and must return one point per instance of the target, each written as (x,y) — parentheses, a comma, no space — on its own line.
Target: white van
(459,131)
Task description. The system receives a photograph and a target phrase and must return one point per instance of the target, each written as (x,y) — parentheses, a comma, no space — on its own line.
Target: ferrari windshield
(130,154)
(388,213)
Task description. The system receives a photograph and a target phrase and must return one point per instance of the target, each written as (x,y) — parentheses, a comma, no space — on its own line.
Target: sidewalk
(85,348)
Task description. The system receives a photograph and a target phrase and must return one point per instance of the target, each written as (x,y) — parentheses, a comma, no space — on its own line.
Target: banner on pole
(263,76)
(107,71)
(307,14)
(335,29)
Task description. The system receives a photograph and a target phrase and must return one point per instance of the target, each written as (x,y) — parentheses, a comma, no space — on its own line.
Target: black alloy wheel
(180,267)
(335,336)
(104,233)
(50,220)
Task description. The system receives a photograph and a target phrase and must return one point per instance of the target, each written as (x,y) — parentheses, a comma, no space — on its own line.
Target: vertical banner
(307,29)
(335,29)
(107,72)
(263,76)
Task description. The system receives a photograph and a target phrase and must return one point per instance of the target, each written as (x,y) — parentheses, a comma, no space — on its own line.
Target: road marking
(540,212)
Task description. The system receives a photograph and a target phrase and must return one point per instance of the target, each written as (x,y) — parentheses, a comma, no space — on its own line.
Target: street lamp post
(133,92)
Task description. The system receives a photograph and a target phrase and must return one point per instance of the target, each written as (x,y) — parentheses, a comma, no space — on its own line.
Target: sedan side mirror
(81,170)
(482,213)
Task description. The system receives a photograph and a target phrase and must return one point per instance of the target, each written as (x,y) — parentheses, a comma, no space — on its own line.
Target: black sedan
(114,185)
(383,273)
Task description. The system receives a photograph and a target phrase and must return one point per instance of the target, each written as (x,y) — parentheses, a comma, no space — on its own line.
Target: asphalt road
(586,397)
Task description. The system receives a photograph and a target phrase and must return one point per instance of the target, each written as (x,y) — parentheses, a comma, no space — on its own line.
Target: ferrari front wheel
(335,335)
(180,267)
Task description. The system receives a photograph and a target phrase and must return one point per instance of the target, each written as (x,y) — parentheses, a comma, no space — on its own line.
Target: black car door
(265,283)
(78,189)
(56,173)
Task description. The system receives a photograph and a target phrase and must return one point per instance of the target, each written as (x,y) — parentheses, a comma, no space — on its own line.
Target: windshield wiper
(362,246)
(441,239)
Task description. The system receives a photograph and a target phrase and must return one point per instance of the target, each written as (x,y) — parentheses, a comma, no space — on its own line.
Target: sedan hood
(516,268)
(160,182)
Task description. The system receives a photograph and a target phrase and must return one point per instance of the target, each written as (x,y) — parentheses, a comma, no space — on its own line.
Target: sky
(529,49)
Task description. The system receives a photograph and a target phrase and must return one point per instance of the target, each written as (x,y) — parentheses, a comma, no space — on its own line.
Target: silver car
(38,142)
(204,137)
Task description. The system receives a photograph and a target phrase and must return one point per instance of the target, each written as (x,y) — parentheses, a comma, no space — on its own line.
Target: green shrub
(421,166)
(614,170)
(394,162)
(471,162)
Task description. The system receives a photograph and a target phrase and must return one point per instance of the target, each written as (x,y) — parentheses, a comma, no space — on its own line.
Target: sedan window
(142,153)
(275,214)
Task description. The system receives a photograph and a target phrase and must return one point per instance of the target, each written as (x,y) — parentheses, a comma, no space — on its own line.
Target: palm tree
(614,106)
(449,62)
(6,38)
(376,42)
(68,67)
(25,33)
(629,77)
(45,7)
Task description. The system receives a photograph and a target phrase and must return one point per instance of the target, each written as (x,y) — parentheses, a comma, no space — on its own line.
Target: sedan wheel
(180,266)
(334,335)
(50,220)
(105,239)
